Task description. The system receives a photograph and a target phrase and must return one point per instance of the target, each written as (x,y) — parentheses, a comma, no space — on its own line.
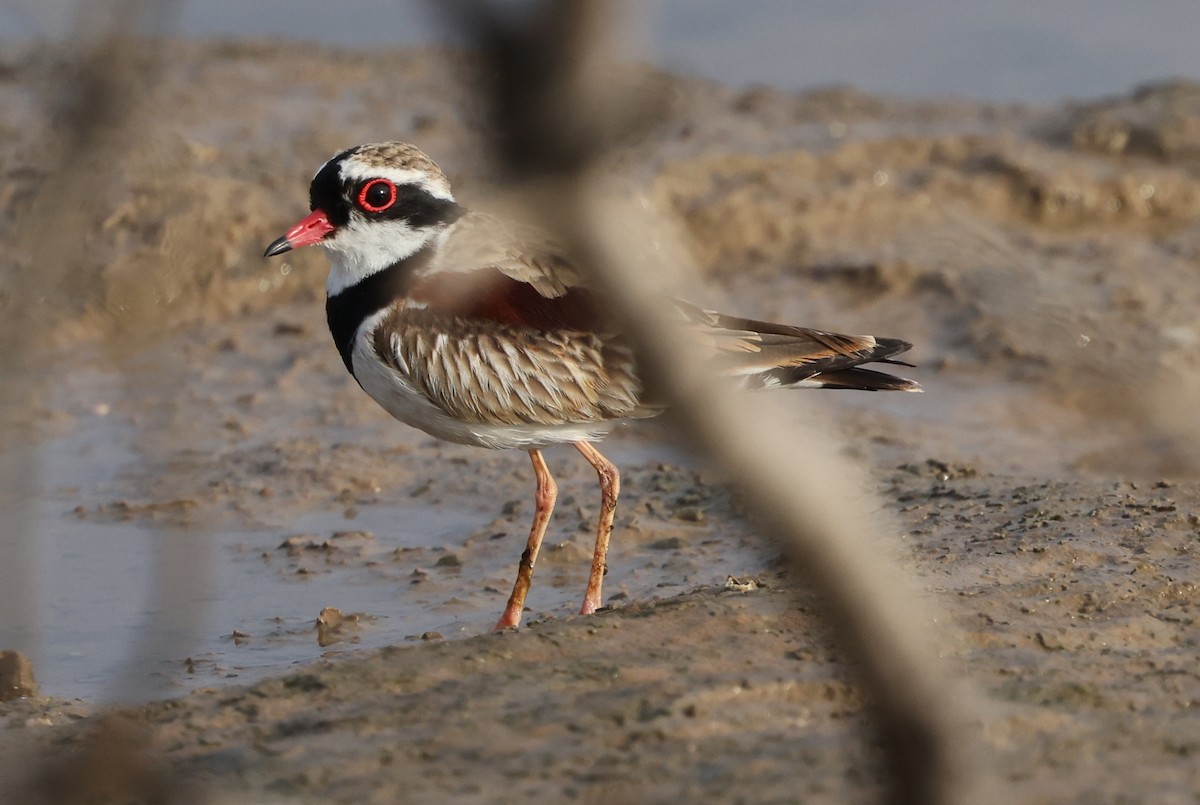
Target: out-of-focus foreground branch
(92,86)
(88,93)
(555,113)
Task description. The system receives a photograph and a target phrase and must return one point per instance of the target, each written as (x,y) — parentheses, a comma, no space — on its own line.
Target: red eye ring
(370,198)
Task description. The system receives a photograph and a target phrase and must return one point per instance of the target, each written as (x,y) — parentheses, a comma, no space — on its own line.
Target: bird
(482,332)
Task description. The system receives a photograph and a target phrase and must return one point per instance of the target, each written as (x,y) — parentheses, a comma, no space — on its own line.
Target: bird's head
(372,206)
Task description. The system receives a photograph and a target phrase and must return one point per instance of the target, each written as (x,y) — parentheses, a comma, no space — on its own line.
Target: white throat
(364,248)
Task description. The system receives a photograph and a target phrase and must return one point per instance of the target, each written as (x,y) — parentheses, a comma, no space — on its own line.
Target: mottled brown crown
(398,155)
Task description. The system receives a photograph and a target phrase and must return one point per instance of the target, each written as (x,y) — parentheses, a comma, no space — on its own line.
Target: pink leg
(547,492)
(610,488)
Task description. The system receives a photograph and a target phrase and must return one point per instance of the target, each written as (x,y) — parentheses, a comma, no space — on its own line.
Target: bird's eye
(377,195)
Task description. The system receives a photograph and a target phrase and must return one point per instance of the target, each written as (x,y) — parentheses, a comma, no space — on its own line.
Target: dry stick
(801,490)
(19,490)
(106,70)
(121,70)
(49,238)
(553,117)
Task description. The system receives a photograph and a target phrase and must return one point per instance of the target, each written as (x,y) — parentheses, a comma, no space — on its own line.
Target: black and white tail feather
(766,355)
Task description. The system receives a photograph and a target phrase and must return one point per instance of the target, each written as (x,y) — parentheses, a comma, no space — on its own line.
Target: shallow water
(1029,52)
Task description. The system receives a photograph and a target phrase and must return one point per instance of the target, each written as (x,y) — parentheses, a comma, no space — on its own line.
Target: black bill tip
(278,246)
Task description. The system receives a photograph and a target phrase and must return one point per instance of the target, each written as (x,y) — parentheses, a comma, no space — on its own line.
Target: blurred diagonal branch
(554,117)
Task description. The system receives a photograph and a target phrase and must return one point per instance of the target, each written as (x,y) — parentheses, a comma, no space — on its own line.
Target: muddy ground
(1044,262)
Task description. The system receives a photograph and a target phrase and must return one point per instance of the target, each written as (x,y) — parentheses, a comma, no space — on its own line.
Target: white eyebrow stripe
(352,171)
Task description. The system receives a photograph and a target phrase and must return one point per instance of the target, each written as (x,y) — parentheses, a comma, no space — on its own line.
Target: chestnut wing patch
(490,295)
